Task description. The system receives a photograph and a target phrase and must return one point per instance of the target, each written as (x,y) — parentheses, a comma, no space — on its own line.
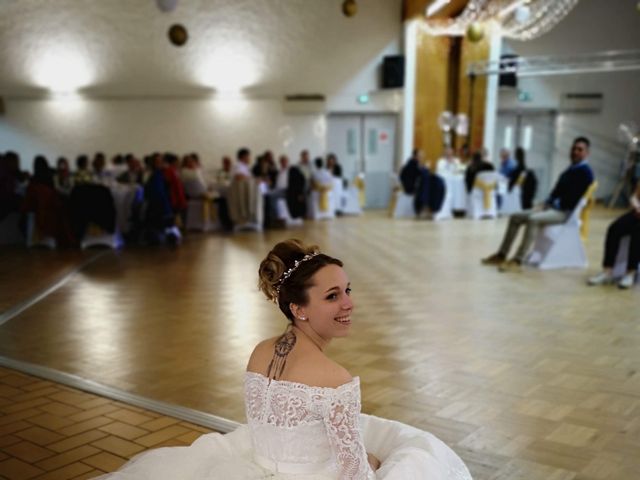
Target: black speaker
(1,106)
(393,71)
(508,79)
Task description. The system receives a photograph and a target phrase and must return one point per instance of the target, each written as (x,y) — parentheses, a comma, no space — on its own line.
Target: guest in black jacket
(569,189)
(410,173)
(478,164)
(528,185)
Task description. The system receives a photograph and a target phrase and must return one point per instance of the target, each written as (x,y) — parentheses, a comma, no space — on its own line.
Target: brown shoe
(495,259)
(512,265)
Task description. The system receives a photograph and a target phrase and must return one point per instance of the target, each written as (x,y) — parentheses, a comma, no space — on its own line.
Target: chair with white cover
(201,215)
(561,246)
(284,215)
(97,237)
(482,199)
(446,209)
(403,205)
(34,237)
(620,265)
(512,200)
(337,195)
(354,197)
(321,204)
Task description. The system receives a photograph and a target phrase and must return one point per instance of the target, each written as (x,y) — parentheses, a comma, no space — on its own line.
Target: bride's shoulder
(317,370)
(261,356)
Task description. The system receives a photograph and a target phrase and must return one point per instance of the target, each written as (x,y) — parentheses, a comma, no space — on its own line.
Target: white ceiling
(120,47)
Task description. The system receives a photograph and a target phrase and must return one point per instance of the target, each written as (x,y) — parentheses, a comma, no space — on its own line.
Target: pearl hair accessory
(289,272)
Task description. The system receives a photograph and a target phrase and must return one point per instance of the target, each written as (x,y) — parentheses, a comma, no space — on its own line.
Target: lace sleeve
(341,416)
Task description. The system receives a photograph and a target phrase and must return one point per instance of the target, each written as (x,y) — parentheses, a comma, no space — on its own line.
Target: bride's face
(329,309)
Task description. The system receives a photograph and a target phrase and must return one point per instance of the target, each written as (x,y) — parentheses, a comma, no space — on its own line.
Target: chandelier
(517,19)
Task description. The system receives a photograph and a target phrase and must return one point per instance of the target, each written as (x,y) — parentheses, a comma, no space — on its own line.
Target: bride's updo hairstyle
(285,273)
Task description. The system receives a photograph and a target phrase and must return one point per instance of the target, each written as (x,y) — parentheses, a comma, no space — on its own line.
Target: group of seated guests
(65,203)
(428,188)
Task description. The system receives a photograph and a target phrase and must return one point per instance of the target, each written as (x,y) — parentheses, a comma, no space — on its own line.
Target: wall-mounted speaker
(393,71)
(508,79)
(1,106)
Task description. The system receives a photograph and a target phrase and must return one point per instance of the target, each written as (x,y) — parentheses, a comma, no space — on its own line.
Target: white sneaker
(627,281)
(603,278)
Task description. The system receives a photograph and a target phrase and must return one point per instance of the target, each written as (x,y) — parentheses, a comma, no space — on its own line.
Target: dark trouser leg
(624,225)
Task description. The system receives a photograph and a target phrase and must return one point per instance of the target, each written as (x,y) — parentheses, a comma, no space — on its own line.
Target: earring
(302,318)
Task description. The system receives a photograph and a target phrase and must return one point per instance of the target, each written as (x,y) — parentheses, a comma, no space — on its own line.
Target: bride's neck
(305,329)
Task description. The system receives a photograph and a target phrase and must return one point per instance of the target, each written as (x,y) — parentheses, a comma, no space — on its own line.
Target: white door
(344,138)
(535,132)
(366,143)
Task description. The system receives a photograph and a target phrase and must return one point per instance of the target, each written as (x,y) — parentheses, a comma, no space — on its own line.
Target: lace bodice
(296,428)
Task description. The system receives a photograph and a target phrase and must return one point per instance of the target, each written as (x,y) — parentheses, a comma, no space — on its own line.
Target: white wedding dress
(298,432)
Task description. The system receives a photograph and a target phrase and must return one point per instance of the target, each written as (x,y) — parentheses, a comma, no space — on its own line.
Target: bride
(303,409)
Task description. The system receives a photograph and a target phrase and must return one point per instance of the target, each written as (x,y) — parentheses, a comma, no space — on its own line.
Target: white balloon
(167,5)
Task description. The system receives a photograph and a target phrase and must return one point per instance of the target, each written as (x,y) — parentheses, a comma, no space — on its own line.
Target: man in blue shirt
(507,164)
(564,197)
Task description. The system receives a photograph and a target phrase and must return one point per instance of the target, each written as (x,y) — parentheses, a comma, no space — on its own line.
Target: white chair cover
(512,201)
(620,266)
(285,215)
(478,206)
(337,195)
(199,217)
(446,210)
(313,206)
(560,246)
(404,205)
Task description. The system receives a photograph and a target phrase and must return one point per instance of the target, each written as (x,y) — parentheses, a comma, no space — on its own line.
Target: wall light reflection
(62,70)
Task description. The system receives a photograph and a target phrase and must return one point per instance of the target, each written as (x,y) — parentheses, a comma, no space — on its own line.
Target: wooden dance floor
(526,376)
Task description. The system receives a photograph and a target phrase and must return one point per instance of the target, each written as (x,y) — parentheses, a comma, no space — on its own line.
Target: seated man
(564,197)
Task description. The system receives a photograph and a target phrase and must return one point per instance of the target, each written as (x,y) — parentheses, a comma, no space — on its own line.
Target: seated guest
(159,215)
(241,197)
(45,203)
(296,192)
(62,179)
(174,185)
(223,175)
(133,175)
(193,181)
(507,164)
(448,164)
(627,224)
(82,173)
(569,189)
(333,166)
(410,172)
(13,184)
(478,164)
(100,173)
(528,183)
(304,165)
(282,180)
(264,169)
(321,176)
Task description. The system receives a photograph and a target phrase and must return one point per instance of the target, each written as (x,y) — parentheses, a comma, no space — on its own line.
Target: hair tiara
(289,272)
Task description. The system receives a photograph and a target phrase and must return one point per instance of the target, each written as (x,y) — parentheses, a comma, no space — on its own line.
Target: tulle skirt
(406,453)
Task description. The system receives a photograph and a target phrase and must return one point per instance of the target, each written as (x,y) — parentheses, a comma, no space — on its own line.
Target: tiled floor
(527,376)
(49,431)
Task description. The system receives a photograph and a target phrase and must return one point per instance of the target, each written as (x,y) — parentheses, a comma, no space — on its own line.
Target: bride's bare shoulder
(261,356)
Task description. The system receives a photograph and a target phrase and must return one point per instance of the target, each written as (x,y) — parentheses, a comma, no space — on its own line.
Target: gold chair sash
(394,200)
(358,182)
(586,211)
(521,179)
(487,190)
(323,190)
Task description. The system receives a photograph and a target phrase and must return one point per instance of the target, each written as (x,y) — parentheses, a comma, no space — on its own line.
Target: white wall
(211,128)
(147,95)
(592,26)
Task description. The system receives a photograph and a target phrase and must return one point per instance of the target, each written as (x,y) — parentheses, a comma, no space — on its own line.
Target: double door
(535,132)
(365,144)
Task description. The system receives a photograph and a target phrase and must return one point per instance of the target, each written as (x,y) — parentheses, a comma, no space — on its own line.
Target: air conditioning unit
(304,104)
(581,102)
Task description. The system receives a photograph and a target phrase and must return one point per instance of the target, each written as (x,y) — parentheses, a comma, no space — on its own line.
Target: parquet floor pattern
(527,376)
(52,432)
